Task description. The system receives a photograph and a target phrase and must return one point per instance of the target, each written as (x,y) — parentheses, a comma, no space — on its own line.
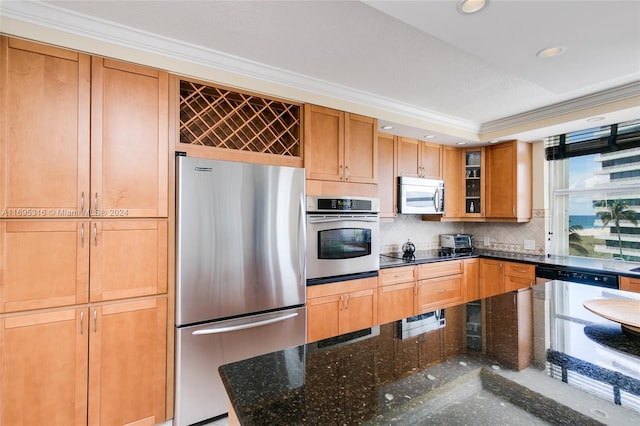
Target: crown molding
(56,18)
(605,97)
(305,88)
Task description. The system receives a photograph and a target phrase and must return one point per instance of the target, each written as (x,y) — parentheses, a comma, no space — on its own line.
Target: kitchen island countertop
(382,379)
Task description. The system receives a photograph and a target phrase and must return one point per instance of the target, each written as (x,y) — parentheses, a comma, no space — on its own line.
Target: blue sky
(581,175)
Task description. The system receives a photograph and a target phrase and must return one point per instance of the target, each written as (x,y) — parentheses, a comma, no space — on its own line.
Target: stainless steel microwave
(420,196)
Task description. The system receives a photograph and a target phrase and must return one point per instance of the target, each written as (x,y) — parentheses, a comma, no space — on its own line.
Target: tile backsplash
(501,236)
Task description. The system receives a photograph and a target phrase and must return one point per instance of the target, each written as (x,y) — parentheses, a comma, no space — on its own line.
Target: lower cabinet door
(359,311)
(127,370)
(323,317)
(43,367)
(396,302)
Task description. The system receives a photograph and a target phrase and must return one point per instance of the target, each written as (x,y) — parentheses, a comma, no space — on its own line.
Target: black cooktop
(426,255)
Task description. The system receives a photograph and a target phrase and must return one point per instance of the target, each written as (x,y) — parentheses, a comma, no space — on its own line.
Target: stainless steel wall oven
(343,236)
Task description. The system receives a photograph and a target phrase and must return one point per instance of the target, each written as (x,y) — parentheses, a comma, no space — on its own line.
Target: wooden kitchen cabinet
(508,181)
(105,364)
(509,328)
(473,183)
(127,362)
(439,285)
(452,176)
(128,259)
(101,142)
(396,294)
(491,273)
(129,139)
(342,307)
(419,159)
(44,367)
(80,261)
(44,129)
(44,264)
(339,146)
(497,276)
(470,282)
(518,276)
(387,175)
(630,284)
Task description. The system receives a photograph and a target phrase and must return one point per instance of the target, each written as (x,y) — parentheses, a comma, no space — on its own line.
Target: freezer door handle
(230,328)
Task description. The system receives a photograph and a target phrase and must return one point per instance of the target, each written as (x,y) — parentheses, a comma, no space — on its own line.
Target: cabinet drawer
(520,270)
(340,287)
(515,283)
(396,275)
(439,293)
(630,284)
(440,269)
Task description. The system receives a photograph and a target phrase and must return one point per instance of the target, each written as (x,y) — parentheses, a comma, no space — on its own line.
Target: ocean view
(585,221)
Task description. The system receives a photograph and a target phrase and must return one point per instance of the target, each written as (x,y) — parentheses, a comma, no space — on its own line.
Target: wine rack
(221,118)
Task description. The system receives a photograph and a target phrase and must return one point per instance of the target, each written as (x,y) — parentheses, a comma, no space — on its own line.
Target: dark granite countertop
(616,267)
(381,378)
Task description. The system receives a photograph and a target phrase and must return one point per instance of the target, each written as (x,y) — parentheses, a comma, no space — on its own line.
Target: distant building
(623,168)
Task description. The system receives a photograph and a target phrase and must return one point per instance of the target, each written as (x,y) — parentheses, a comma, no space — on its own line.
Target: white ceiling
(422,65)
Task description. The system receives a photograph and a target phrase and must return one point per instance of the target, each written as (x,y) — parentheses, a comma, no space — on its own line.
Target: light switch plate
(487,240)
(529,244)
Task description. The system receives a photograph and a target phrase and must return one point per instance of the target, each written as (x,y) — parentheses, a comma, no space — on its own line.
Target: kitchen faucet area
(321,213)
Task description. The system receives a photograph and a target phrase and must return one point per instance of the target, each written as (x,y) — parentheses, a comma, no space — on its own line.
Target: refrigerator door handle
(230,328)
(302,240)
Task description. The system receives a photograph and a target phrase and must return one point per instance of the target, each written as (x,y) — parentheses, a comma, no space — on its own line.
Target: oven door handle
(368,219)
(230,328)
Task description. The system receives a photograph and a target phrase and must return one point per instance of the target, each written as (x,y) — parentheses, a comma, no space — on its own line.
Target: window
(595,192)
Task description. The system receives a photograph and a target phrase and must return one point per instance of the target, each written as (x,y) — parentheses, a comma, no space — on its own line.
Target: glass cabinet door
(473,182)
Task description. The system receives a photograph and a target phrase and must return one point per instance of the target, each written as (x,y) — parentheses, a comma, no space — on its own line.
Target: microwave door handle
(436,200)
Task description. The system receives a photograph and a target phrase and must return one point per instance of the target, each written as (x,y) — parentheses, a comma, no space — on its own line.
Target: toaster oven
(456,243)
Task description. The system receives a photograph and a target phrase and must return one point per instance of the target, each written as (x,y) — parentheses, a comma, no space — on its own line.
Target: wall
(502,236)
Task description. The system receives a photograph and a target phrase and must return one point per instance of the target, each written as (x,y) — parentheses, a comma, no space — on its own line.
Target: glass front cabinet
(474,170)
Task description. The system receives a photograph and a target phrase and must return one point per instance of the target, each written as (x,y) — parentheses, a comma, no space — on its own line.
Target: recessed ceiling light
(467,7)
(551,51)
(461,143)
(592,119)
(429,136)
(494,141)
(387,127)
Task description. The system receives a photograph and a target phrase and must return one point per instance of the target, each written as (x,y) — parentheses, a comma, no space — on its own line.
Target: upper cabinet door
(431,160)
(361,149)
(451,164)
(323,143)
(508,187)
(339,146)
(409,157)
(419,159)
(387,180)
(129,140)
(44,130)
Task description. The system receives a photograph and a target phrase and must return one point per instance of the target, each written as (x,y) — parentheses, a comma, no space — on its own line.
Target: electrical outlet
(529,244)
(487,240)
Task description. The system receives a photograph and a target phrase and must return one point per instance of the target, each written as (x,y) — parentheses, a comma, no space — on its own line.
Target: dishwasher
(546,273)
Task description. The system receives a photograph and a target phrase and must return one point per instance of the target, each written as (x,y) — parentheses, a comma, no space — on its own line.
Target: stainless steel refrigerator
(240,276)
